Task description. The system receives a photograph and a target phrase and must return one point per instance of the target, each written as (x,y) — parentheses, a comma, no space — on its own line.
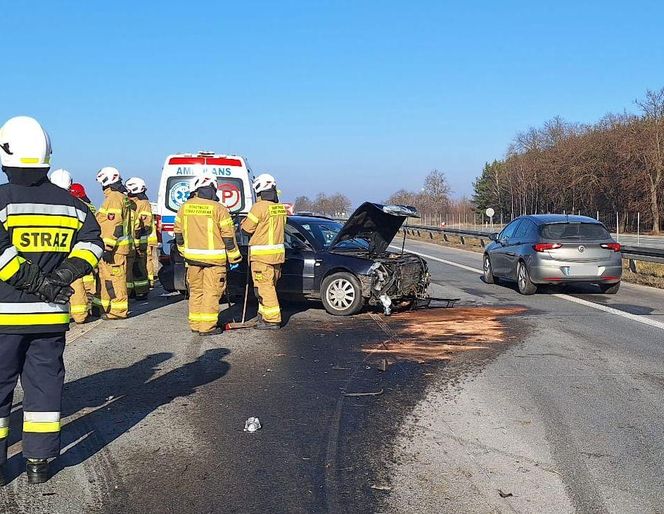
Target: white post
(597,215)
(617,228)
(638,228)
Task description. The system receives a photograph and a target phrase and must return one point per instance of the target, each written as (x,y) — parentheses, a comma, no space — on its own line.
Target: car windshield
(574,231)
(324,232)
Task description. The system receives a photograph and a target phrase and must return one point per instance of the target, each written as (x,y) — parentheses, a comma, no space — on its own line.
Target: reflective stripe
(117,304)
(4,432)
(205,252)
(88,279)
(4,422)
(251,216)
(34,319)
(41,208)
(267,249)
(43,220)
(86,255)
(228,222)
(110,241)
(268,310)
(41,422)
(204,317)
(8,255)
(234,254)
(31,308)
(139,283)
(78,309)
(210,233)
(96,250)
(10,269)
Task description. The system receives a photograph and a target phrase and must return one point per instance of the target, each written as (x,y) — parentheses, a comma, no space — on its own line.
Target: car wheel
(341,294)
(524,283)
(488,271)
(609,288)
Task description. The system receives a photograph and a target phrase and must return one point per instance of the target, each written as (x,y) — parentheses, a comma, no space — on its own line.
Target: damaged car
(345,266)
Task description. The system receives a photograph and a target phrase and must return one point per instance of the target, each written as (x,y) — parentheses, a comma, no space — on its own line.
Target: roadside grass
(647,273)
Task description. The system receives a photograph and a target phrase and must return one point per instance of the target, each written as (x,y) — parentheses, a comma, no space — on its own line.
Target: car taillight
(543,247)
(611,246)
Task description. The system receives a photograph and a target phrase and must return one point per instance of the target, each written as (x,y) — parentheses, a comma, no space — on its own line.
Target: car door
(499,256)
(297,273)
(520,240)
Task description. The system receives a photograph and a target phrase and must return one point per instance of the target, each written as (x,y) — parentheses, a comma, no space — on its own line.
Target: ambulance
(234,179)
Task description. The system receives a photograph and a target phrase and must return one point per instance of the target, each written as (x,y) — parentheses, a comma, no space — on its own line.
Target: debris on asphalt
(252,425)
(382,366)
(368,393)
(381,487)
(504,495)
(338,368)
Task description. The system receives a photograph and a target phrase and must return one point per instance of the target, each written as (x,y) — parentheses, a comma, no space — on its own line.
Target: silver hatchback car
(554,249)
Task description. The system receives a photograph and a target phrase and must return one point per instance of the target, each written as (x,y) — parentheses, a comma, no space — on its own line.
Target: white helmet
(108,175)
(203,179)
(136,186)
(24,144)
(263,182)
(61,178)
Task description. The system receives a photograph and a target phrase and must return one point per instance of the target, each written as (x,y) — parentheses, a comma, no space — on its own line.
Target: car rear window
(231,191)
(574,231)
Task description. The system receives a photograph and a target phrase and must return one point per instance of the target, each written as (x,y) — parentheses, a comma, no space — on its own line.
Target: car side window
(291,234)
(508,231)
(524,232)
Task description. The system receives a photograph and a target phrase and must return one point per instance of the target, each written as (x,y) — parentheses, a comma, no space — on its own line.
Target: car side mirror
(494,236)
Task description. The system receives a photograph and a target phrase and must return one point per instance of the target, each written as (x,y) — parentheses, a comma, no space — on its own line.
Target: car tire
(488,271)
(523,281)
(341,294)
(609,288)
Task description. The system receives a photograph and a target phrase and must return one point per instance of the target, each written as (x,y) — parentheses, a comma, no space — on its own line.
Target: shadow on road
(118,399)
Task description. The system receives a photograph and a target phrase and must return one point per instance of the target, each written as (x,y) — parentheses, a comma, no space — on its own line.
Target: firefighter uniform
(137,272)
(114,217)
(153,253)
(206,238)
(84,290)
(42,225)
(266,222)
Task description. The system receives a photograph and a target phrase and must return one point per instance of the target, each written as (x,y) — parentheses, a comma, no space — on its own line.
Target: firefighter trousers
(37,360)
(111,295)
(79,304)
(265,277)
(152,263)
(137,274)
(206,287)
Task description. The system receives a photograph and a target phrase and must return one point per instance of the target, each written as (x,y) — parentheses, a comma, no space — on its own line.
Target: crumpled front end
(396,279)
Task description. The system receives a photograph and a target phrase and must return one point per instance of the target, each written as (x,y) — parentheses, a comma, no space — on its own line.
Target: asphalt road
(504,403)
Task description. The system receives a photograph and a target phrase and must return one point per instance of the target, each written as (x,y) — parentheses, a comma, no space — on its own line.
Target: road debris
(368,393)
(381,487)
(252,425)
(503,494)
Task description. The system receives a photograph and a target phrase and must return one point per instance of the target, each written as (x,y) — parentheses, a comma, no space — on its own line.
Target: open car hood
(376,224)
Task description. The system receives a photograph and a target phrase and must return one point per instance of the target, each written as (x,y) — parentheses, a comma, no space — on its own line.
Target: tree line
(615,164)
(337,205)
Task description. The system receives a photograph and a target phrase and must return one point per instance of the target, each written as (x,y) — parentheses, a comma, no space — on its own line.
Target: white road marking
(592,305)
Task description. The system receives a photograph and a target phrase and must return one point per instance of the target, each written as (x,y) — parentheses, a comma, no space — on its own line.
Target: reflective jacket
(114,217)
(45,225)
(205,234)
(142,221)
(267,222)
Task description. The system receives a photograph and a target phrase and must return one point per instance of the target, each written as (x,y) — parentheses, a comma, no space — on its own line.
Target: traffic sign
(490,212)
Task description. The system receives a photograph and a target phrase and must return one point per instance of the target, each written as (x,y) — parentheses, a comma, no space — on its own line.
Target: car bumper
(548,271)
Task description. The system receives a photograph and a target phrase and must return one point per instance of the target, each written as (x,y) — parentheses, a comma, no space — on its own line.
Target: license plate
(580,270)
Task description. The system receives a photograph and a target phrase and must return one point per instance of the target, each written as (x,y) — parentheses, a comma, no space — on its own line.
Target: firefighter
(84,288)
(205,235)
(153,252)
(48,239)
(266,223)
(137,271)
(114,217)
(61,178)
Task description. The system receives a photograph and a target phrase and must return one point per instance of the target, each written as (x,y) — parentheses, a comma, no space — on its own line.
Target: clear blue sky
(362,97)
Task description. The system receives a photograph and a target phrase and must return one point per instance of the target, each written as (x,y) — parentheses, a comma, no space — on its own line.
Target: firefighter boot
(266,325)
(37,471)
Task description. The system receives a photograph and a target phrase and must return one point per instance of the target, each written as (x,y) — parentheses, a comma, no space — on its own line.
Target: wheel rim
(522,277)
(487,267)
(340,294)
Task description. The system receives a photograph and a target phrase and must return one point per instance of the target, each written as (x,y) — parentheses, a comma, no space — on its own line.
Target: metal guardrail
(631,253)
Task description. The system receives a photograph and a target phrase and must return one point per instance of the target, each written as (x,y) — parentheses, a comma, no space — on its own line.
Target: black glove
(107,257)
(51,290)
